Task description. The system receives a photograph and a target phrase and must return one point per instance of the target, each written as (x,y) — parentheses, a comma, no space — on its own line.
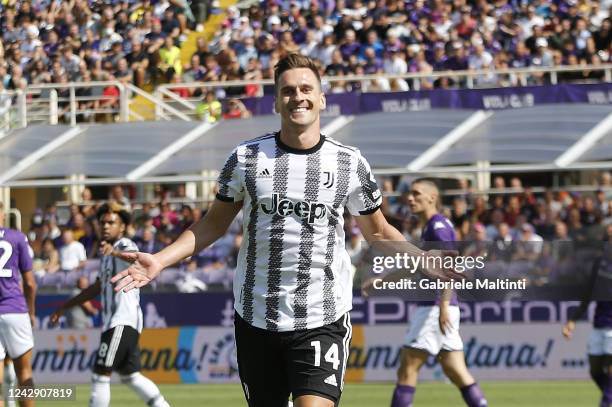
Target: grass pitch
(499,394)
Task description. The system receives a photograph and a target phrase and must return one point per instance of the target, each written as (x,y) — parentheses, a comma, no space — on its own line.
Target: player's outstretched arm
(87,294)
(375,228)
(147,267)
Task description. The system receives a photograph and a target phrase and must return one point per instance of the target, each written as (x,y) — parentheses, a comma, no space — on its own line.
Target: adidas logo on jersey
(265,173)
(331,380)
(311,211)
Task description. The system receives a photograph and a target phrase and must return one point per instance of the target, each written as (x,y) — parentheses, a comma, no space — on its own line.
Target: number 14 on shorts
(331,356)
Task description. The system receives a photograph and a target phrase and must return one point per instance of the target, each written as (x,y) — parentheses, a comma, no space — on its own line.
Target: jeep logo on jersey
(312,211)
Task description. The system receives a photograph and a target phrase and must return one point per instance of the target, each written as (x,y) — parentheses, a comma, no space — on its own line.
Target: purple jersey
(603,309)
(439,229)
(15,258)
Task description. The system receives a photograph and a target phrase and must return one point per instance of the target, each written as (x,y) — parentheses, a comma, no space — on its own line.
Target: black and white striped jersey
(119,308)
(293,271)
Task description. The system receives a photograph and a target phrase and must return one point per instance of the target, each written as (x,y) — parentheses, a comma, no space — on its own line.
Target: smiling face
(299,98)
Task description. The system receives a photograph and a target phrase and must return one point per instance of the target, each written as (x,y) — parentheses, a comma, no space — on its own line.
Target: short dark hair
(294,61)
(114,208)
(427,181)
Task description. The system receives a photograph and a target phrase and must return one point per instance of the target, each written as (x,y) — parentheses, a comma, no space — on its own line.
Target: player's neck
(300,139)
(427,214)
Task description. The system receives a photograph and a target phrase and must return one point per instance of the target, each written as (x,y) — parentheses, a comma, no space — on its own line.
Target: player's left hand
(568,329)
(106,249)
(444,320)
(433,269)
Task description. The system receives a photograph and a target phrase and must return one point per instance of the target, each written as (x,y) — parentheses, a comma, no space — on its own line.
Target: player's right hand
(568,329)
(145,267)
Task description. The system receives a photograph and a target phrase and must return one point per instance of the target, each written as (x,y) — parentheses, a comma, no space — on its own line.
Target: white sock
(100,391)
(146,389)
(9,380)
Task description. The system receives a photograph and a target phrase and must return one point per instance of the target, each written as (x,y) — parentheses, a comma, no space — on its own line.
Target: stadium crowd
(398,37)
(72,41)
(140,41)
(66,243)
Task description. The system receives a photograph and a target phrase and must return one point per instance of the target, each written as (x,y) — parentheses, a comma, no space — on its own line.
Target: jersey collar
(292,150)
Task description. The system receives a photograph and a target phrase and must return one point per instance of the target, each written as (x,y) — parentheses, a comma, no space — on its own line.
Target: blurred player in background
(17,296)
(121,318)
(600,342)
(434,329)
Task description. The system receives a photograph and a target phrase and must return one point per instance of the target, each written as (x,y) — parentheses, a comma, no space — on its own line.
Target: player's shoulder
(354,151)
(440,228)
(439,221)
(14,235)
(247,147)
(266,138)
(125,244)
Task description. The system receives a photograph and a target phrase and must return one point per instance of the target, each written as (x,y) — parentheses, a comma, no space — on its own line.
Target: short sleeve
(126,245)
(364,196)
(443,232)
(230,180)
(25,256)
(440,234)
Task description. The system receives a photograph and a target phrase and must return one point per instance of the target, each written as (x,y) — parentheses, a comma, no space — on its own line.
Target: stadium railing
(5,115)
(470,79)
(75,102)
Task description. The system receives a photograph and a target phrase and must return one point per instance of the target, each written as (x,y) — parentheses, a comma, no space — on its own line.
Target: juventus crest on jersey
(119,308)
(293,271)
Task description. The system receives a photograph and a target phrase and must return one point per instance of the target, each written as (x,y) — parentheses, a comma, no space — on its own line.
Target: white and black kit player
(293,280)
(122,319)
(293,285)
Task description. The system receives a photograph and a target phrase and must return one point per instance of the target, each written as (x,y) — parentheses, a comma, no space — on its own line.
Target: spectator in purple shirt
(349,46)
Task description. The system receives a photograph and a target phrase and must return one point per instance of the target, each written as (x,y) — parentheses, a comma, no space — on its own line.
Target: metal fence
(113,101)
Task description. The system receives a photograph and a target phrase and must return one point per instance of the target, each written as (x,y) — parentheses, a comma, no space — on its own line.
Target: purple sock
(402,396)
(473,396)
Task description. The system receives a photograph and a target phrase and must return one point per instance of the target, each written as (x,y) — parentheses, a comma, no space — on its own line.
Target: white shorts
(15,335)
(600,342)
(424,331)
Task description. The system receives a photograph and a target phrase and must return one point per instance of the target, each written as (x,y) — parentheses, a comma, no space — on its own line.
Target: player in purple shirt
(600,342)
(16,305)
(434,329)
